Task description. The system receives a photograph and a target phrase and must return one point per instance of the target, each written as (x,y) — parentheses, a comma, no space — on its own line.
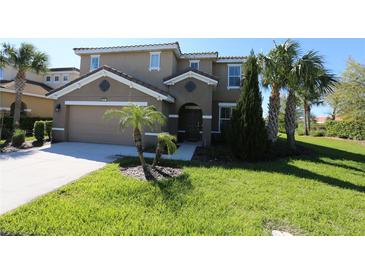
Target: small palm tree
(25,58)
(275,69)
(164,139)
(137,118)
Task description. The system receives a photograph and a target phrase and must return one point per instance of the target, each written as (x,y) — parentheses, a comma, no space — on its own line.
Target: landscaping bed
(156,173)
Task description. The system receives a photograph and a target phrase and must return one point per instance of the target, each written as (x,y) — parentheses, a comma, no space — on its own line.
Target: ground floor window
(225,115)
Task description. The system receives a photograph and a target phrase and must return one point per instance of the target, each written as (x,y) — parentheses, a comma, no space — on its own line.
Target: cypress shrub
(48,126)
(18,138)
(248,137)
(38,131)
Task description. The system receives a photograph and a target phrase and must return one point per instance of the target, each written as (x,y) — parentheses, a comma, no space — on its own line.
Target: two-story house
(196,91)
(35,103)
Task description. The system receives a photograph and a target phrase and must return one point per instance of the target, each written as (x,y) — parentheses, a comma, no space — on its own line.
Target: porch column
(207,129)
(173,123)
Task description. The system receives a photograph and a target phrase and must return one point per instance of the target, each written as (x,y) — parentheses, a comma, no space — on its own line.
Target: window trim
(50,79)
(194,61)
(54,79)
(91,63)
(233,65)
(224,105)
(158,53)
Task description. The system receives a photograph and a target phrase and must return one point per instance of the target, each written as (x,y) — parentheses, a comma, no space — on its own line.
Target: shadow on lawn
(174,190)
(314,154)
(311,153)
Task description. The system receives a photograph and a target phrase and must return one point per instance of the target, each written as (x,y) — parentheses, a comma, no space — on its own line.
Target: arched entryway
(23,108)
(190,123)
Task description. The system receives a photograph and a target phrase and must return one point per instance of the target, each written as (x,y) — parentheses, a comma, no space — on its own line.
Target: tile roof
(130,46)
(64,69)
(117,72)
(30,87)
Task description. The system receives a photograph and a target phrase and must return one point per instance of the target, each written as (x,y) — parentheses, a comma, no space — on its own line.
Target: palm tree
(137,117)
(164,139)
(310,80)
(275,69)
(25,58)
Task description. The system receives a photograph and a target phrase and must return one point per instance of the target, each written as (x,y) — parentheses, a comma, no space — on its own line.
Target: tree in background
(23,59)
(348,100)
(248,132)
(275,69)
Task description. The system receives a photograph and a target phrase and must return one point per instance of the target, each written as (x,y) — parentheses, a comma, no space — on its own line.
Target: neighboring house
(323,119)
(35,103)
(196,91)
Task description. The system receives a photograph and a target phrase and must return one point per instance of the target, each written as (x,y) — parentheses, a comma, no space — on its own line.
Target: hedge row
(26,123)
(351,130)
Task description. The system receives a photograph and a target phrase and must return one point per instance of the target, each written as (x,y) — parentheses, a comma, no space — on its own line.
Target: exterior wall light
(58,107)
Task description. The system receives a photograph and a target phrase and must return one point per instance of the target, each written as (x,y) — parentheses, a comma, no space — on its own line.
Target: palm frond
(169,140)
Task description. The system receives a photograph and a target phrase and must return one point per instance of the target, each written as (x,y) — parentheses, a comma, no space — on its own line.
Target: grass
(322,193)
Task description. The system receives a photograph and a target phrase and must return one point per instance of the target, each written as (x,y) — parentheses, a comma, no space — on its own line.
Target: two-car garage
(86,124)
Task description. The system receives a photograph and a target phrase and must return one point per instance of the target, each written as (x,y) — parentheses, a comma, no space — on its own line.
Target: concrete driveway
(25,175)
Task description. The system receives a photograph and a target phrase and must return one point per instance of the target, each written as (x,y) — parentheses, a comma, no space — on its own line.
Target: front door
(191,123)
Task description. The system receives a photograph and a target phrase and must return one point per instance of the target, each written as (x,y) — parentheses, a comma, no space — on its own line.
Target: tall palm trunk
(309,118)
(273,119)
(138,142)
(19,87)
(290,119)
(306,122)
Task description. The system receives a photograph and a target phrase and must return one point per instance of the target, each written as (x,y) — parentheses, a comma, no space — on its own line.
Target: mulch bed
(26,145)
(157,173)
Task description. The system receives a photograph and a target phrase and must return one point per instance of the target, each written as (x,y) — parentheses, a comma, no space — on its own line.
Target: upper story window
(234,76)
(1,74)
(94,62)
(154,61)
(194,64)
(65,78)
(48,78)
(57,78)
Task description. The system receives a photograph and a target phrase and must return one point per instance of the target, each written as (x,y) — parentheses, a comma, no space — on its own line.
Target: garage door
(86,124)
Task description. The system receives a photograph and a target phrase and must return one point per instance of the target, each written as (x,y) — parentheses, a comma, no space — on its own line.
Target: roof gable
(191,73)
(113,74)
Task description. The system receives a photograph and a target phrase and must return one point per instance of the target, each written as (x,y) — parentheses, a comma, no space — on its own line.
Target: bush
(38,131)
(18,138)
(48,127)
(318,133)
(25,123)
(346,129)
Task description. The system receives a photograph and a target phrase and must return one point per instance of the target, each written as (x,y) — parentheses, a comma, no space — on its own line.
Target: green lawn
(322,193)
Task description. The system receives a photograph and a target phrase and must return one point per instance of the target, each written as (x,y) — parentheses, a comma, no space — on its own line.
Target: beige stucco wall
(40,107)
(135,64)
(92,92)
(9,73)
(221,93)
(205,65)
(71,74)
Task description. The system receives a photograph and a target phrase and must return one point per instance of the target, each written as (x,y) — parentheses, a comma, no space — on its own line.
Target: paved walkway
(27,174)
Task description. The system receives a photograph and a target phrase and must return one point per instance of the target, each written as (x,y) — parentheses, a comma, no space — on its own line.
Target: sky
(335,51)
